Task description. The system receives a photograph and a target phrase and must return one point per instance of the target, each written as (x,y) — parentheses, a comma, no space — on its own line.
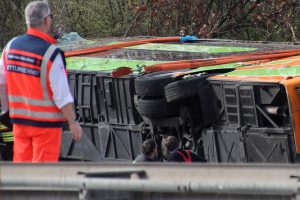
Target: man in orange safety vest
(32,69)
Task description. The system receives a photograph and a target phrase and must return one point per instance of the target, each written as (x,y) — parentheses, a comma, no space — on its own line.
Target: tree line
(271,20)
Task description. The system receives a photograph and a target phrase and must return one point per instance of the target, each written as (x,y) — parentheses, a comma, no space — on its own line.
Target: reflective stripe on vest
(41,115)
(186,159)
(33,102)
(43,72)
(7,136)
(6,133)
(3,128)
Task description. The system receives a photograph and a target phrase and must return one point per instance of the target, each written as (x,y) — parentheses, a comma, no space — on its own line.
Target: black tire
(152,84)
(183,89)
(155,108)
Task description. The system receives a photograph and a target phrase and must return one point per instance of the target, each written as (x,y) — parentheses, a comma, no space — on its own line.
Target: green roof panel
(87,63)
(190,48)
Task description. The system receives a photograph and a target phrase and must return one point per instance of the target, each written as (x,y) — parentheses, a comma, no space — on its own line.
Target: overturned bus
(228,101)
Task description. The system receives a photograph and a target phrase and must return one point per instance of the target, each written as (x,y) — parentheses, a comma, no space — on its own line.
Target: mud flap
(119,141)
(83,149)
(210,146)
(267,149)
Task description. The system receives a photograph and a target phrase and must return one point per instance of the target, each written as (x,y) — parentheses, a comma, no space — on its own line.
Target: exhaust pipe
(275,110)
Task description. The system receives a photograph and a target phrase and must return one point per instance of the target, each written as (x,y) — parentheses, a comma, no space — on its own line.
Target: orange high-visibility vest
(28,59)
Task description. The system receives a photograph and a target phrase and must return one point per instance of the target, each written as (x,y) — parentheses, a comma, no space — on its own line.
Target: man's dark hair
(172,143)
(183,28)
(148,147)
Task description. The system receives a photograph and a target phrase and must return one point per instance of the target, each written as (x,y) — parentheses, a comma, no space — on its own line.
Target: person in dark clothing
(176,154)
(6,138)
(149,152)
(184,37)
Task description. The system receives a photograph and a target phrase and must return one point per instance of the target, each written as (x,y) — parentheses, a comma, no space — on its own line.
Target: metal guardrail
(153,181)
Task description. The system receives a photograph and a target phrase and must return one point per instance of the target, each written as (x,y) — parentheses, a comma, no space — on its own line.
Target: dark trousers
(6,151)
